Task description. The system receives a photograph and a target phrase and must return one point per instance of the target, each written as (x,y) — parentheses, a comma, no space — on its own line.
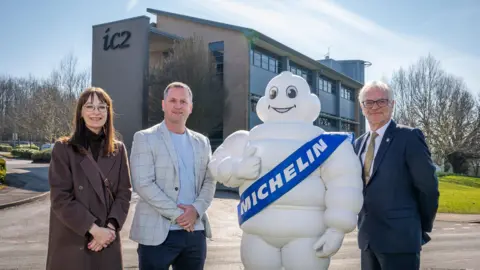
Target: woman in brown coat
(90,190)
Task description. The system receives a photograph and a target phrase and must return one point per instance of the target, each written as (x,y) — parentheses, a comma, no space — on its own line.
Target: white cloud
(131,4)
(311,26)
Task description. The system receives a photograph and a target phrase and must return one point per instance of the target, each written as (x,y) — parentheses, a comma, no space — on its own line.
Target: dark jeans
(182,250)
(389,261)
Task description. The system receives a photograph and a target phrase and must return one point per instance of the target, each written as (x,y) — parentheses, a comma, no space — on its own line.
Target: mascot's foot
(298,254)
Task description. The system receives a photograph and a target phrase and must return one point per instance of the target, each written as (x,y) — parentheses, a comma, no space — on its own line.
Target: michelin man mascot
(300,187)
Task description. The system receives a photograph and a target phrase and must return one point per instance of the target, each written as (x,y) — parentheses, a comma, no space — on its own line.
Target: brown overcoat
(78,199)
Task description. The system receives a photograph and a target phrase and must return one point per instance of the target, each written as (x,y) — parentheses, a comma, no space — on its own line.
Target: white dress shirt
(378,140)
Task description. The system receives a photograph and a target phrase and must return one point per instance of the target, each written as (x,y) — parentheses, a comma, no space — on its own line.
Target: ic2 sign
(119,40)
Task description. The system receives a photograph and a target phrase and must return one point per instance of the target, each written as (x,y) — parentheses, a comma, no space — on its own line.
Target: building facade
(247,60)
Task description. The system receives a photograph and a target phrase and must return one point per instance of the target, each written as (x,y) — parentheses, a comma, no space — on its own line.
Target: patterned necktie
(369,157)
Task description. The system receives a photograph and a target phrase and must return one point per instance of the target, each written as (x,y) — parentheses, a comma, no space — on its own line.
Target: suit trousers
(389,261)
(181,249)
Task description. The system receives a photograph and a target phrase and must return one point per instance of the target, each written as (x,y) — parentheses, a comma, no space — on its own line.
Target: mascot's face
(288,99)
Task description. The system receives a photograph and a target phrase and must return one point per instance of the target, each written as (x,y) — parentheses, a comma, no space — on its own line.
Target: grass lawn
(459,194)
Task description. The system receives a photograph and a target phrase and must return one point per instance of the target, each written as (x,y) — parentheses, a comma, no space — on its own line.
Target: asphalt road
(24,232)
(23,240)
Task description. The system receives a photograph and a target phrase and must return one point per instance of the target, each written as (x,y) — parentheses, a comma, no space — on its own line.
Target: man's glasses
(90,108)
(370,103)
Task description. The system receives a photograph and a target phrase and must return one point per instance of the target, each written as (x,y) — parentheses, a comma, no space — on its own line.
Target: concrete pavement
(24,236)
(24,230)
(26,182)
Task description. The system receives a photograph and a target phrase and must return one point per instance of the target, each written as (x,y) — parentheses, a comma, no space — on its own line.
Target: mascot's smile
(282,110)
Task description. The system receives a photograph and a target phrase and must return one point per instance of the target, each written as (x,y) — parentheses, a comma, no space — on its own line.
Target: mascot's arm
(342,175)
(226,158)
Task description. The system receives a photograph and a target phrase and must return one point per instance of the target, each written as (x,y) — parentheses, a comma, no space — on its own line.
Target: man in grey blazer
(169,172)
(401,188)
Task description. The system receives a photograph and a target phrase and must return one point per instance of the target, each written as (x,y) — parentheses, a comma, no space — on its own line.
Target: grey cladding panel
(120,66)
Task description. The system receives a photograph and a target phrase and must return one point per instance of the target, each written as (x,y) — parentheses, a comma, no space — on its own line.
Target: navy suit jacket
(401,198)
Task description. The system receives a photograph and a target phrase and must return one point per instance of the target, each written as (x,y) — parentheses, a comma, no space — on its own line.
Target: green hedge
(28,146)
(42,156)
(23,152)
(5,148)
(3,170)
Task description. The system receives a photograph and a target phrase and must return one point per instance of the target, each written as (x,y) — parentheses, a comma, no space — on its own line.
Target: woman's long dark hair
(78,136)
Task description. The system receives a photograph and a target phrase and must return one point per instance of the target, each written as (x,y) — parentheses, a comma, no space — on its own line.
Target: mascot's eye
(292,92)
(273,92)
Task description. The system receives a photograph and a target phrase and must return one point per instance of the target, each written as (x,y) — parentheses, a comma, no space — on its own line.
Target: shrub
(42,156)
(28,146)
(3,170)
(23,152)
(5,148)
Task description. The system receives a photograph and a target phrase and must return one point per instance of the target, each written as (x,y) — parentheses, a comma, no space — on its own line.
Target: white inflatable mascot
(300,187)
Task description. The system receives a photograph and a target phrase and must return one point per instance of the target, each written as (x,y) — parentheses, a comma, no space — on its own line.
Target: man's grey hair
(180,85)
(379,85)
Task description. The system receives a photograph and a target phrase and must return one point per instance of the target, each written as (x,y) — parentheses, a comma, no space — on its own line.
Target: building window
(253,101)
(265,60)
(327,122)
(347,93)
(302,72)
(326,85)
(217,50)
(219,61)
(348,127)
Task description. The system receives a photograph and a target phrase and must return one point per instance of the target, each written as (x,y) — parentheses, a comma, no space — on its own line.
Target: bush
(28,146)
(43,156)
(5,148)
(23,152)
(3,170)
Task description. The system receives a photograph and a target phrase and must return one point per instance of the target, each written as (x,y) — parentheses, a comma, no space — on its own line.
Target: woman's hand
(94,246)
(101,237)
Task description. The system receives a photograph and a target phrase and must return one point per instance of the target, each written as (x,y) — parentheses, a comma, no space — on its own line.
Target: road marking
(448,229)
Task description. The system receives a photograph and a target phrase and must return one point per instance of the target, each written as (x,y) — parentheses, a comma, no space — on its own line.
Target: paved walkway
(26,182)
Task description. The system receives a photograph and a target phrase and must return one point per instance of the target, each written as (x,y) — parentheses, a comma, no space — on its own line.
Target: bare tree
(41,109)
(190,62)
(68,78)
(441,105)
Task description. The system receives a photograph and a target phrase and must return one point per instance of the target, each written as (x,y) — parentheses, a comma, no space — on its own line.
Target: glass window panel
(272,65)
(257,59)
(264,61)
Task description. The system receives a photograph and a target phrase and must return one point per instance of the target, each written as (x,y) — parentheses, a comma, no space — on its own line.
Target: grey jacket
(154,169)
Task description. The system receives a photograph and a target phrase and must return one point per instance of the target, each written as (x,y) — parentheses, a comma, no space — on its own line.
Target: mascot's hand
(329,243)
(249,166)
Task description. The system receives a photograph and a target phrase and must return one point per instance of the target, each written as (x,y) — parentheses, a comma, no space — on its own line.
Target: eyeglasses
(101,108)
(380,103)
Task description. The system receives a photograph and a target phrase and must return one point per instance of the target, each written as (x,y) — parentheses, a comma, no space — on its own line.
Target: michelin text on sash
(286,175)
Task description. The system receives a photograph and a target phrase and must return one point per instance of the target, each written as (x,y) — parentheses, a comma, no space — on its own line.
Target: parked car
(46,146)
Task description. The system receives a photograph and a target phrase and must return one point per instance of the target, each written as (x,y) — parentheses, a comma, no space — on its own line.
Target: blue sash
(289,173)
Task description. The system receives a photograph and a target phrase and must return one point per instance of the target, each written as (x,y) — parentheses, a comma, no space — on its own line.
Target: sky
(36,35)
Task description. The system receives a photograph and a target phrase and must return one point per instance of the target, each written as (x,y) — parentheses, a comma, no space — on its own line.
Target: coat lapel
(386,142)
(105,164)
(93,177)
(360,148)
(165,137)
(361,145)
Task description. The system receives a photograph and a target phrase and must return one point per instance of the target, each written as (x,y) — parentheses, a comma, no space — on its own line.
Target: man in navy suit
(400,186)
